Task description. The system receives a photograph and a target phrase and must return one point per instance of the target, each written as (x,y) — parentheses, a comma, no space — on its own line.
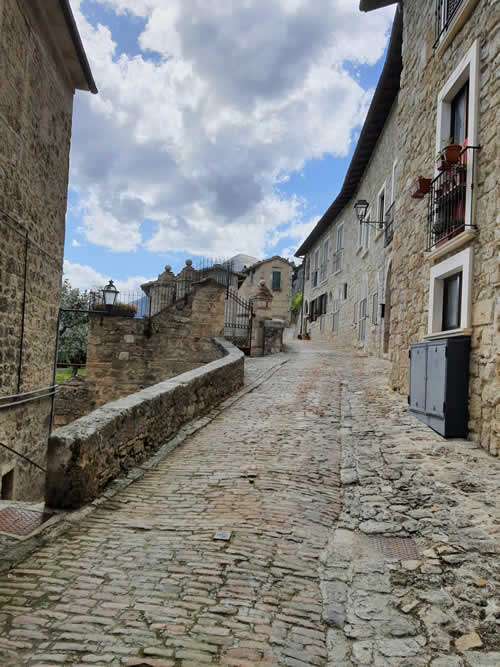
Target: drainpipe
(23,315)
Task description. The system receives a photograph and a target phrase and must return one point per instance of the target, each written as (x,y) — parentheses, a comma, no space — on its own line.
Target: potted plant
(306,336)
(421,187)
(448,155)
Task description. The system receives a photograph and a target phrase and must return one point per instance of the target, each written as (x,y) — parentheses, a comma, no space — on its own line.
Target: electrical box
(439,384)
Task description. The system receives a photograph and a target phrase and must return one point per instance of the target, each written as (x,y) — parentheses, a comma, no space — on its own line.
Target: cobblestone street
(359,537)
(141,579)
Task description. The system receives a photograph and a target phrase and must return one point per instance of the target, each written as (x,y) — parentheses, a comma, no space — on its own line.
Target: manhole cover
(402,548)
(20,521)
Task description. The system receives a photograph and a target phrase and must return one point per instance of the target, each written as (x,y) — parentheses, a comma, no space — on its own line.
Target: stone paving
(359,537)
(141,580)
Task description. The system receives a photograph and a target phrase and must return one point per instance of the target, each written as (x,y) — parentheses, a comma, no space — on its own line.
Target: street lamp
(110,293)
(361,208)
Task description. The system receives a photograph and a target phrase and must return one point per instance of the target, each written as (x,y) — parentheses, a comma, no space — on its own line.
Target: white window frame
(461,262)
(393,181)
(375,308)
(467,70)
(383,190)
(339,233)
(457,23)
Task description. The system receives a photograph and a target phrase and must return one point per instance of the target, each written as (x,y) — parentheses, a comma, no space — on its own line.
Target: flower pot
(443,164)
(452,153)
(421,187)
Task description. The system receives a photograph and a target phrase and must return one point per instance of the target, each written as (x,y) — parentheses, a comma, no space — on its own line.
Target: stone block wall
(75,398)
(417,118)
(125,354)
(36,103)
(87,454)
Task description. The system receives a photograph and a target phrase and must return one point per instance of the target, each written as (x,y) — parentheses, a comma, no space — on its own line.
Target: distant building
(276,272)
(241,261)
(424,165)
(42,62)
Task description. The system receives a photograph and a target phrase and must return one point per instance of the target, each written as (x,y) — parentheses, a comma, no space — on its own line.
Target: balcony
(446,10)
(449,211)
(389,225)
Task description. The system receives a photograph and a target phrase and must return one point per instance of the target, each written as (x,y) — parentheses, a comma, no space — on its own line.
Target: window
(381,204)
(362,321)
(339,249)
(452,301)
(459,115)
(451,15)
(336,314)
(394,181)
(375,308)
(276,280)
(306,307)
(315,268)
(324,261)
(450,294)
(344,291)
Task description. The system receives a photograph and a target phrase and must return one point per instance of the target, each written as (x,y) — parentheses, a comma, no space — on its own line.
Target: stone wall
(411,265)
(364,268)
(75,398)
(281,303)
(125,354)
(36,102)
(85,455)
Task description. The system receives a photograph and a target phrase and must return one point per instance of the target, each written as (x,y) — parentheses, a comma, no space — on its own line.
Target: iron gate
(238,317)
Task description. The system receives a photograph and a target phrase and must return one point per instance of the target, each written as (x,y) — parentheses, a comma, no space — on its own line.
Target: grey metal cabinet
(439,384)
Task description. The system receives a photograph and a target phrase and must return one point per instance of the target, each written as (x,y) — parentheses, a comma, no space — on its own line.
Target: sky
(220,127)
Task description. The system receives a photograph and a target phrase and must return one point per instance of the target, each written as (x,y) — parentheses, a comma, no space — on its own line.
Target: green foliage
(118,310)
(73,327)
(296,303)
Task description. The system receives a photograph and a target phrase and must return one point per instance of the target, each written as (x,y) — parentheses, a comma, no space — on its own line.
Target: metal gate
(238,317)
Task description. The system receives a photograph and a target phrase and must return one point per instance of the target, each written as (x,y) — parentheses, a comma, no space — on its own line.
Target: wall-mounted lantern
(361,208)
(110,293)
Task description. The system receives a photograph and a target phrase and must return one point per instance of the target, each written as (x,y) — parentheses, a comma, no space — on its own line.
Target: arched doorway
(387,308)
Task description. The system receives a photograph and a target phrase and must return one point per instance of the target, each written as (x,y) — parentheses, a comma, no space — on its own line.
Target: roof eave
(77,42)
(370,5)
(381,104)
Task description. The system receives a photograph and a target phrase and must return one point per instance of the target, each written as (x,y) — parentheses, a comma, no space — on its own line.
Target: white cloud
(237,96)
(85,277)
(75,243)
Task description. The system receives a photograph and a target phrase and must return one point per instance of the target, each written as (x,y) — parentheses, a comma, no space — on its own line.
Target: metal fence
(238,320)
(448,199)
(445,13)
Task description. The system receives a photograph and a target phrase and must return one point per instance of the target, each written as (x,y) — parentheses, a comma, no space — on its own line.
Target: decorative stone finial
(168,268)
(262,282)
(189,262)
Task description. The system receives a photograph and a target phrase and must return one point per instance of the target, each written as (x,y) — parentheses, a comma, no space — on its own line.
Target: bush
(118,310)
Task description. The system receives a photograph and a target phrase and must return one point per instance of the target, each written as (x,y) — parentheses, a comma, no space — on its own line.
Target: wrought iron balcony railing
(445,12)
(447,215)
(389,225)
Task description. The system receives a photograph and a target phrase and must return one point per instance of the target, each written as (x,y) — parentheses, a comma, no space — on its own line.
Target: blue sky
(215,131)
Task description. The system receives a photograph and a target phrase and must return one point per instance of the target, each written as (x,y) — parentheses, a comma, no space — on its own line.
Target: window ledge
(379,234)
(454,243)
(365,253)
(460,18)
(448,334)
(360,248)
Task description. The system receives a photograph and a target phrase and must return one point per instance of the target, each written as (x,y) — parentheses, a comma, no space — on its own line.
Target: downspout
(23,316)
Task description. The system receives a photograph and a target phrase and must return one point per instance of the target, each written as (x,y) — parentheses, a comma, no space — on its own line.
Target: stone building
(347,265)
(440,271)
(277,275)
(42,62)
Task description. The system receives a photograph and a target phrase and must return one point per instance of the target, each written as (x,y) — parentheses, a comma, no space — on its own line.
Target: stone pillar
(161,292)
(261,301)
(273,336)
(185,280)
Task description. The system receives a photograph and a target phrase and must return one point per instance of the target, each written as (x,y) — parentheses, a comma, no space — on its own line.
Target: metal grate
(20,521)
(401,548)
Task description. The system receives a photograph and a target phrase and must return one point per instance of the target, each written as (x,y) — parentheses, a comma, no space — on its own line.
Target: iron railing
(238,318)
(389,225)
(448,200)
(445,13)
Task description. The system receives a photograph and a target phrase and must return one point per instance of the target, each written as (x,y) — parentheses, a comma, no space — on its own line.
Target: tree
(73,326)
(296,303)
